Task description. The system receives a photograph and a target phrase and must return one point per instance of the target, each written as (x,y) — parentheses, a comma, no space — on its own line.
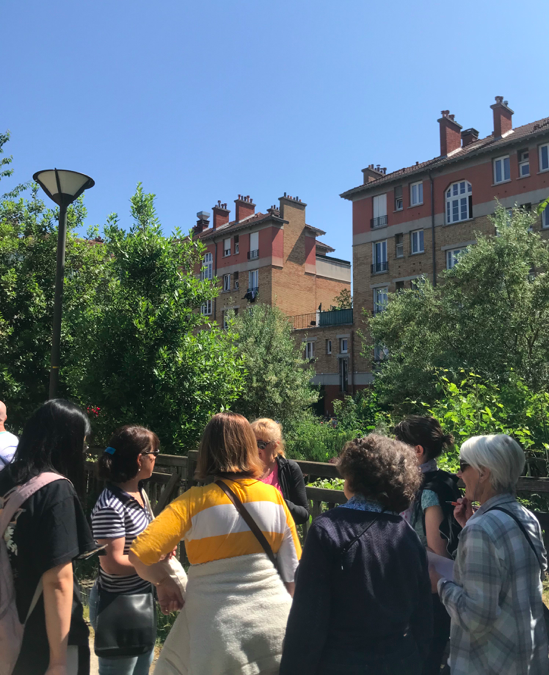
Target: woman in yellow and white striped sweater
(236,606)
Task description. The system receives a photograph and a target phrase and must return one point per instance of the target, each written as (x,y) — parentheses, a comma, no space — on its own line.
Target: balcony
(336,317)
(380,221)
(379,267)
(252,255)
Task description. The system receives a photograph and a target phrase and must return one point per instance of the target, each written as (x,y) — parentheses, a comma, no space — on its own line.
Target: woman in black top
(50,532)
(362,601)
(280,472)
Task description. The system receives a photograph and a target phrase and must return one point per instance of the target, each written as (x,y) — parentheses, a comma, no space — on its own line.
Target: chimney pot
(450,137)
(503,122)
(220,215)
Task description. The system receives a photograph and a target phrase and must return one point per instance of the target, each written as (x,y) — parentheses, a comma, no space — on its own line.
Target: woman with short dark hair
(121,513)
(49,533)
(362,599)
(236,606)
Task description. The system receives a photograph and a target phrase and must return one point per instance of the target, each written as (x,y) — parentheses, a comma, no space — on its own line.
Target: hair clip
(110,450)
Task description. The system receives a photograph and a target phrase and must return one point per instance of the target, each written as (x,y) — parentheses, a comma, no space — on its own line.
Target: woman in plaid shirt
(495,601)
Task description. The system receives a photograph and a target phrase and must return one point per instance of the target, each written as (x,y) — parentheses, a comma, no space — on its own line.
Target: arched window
(459,202)
(207,267)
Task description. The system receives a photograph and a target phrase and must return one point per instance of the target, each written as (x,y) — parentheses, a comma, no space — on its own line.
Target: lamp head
(63,186)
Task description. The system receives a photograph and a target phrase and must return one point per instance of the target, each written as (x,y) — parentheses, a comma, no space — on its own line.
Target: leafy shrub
(316,440)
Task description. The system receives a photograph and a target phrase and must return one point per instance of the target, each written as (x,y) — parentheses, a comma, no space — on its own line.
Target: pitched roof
(483,145)
(254,219)
(321,244)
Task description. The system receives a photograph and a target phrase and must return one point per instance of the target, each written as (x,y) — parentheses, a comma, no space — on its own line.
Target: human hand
(172,554)
(169,596)
(463,511)
(434,576)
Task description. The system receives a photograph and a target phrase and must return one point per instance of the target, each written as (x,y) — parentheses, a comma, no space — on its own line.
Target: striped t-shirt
(212,528)
(113,518)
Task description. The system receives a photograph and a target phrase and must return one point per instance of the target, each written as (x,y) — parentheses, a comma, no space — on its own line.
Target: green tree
(277,380)
(344,300)
(150,358)
(489,314)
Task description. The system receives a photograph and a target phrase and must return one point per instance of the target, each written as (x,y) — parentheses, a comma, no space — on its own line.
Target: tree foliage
(489,315)
(277,380)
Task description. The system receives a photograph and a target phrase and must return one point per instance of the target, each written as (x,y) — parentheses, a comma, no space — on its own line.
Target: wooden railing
(174,474)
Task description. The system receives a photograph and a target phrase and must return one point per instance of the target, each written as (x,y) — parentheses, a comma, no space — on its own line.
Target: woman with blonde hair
(281,472)
(234,615)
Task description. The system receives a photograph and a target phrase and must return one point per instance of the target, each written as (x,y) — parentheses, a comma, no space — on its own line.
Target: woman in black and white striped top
(121,513)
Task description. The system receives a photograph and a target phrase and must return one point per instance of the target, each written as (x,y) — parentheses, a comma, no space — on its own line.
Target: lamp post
(63,187)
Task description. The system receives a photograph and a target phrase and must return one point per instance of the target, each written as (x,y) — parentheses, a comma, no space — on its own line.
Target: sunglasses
(463,466)
(263,444)
(152,452)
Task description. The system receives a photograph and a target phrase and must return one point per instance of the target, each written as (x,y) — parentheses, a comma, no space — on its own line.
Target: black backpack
(444,485)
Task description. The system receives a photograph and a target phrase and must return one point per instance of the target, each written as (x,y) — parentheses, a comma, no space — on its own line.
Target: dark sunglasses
(463,466)
(263,444)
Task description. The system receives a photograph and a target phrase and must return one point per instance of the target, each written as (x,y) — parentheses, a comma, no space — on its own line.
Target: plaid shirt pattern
(495,600)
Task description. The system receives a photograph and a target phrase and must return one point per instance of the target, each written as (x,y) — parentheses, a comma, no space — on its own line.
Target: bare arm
(169,593)
(433,519)
(114,561)
(58,595)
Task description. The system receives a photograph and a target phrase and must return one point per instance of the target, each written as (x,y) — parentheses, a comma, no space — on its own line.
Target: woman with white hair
(495,599)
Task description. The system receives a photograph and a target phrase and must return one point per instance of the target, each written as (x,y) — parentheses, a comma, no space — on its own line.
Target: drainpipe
(215,274)
(433,242)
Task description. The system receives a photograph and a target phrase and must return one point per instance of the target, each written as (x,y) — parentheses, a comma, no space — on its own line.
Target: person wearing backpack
(43,538)
(431,513)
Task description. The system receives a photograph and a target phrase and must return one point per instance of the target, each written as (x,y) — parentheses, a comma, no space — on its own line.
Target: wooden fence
(174,474)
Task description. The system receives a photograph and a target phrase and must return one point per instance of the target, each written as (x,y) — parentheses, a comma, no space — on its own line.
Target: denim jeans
(123,665)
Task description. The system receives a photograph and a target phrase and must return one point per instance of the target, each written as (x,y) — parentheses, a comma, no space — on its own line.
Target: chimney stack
(221,215)
(244,207)
(468,136)
(450,137)
(503,122)
(203,221)
(372,173)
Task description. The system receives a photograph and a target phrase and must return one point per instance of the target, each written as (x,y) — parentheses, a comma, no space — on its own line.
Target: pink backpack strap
(19,495)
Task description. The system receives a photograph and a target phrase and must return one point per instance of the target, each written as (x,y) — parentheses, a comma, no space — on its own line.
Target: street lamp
(63,187)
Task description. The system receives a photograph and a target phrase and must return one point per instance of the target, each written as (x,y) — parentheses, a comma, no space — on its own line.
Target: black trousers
(441,635)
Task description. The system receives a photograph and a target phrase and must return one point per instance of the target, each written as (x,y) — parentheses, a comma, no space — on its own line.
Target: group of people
(361,598)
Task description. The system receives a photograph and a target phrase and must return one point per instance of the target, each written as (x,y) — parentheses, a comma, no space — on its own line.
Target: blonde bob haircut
(499,453)
(228,446)
(273,430)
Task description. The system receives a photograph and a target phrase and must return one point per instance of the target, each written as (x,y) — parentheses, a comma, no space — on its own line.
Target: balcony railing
(380,221)
(252,255)
(378,267)
(336,317)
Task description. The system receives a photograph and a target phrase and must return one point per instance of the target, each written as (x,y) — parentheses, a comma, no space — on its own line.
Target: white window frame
(236,244)
(328,347)
(207,267)
(399,201)
(343,345)
(236,281)
(417,240)
(452,257)
(416,193)
(544,157)
(503,163)
(379,256)
(458,200)
(545,218)
(523,162)
(254,245)
(399,247)
(206,308)
(379,210)
(381,298)
(226,282)
(253,275)
(226,247)
(309,350)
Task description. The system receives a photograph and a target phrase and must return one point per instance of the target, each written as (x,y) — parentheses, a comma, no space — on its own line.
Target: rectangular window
(207,267)
(253,280)
(380,299)
(227,247)
(380,353)
(226,282)
(380,211)
(544,157)
(399,286)
(379,257)
(236,244)
(343,346)
(343,374)
(459,202)
(502,169)
(416,194)
(309,350)
(236,281)
(523,163)
(452,257)
(254,245)
(398,198)
(417,241)
(328,346)
(399,246)
(206,308)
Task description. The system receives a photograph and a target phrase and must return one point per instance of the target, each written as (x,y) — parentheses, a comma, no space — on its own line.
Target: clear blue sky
(208,99)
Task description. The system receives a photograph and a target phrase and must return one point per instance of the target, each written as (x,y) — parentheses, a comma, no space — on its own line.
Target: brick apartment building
(415,221)
(274,257)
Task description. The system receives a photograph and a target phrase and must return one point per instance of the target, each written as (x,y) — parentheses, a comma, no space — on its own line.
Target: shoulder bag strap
(250,522)
(523,530)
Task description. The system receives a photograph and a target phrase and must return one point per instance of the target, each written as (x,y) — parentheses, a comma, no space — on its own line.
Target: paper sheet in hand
(444,566)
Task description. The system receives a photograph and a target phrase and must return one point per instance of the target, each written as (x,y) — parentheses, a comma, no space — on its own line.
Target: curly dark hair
(424,431)
(381,469)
